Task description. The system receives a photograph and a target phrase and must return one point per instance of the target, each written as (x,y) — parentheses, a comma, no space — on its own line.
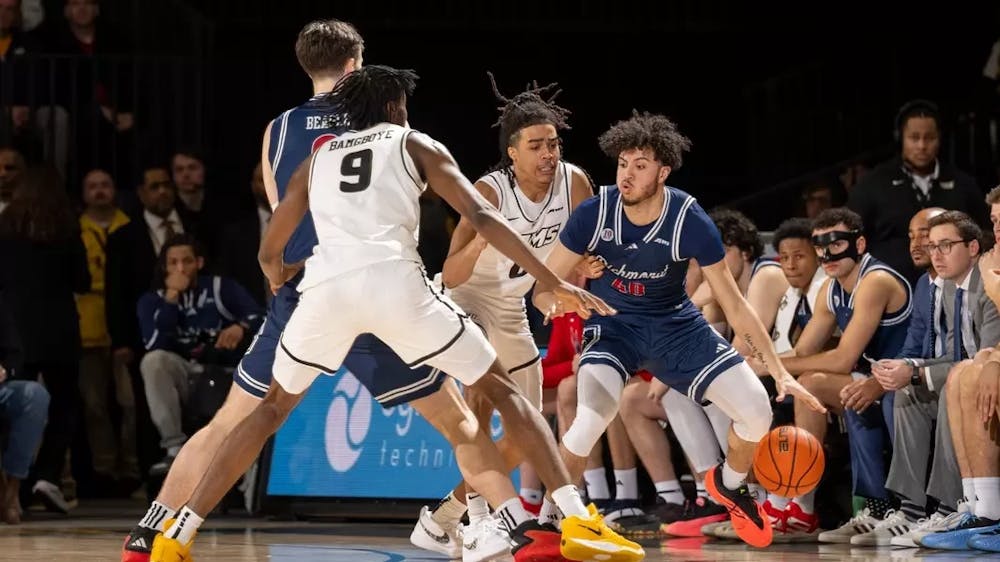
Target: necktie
(930,341)
(168,229)
(957,327)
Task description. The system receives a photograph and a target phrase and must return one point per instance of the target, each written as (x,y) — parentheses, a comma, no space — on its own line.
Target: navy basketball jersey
(645,266)
(890,335)
(295,134)
(761,263)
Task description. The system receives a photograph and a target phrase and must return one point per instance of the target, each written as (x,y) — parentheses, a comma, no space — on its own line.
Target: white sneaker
(429,535)
(863,522)
(936,523)
(484,540)
(894,525)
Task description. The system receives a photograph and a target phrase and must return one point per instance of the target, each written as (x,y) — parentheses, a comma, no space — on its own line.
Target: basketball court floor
(98,538)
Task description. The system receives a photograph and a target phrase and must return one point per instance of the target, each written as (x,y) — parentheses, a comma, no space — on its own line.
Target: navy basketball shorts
(383,373)
(684,353)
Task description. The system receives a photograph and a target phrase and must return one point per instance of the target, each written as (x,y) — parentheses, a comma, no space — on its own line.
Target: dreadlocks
(534,106)
(362,95)
(646,130)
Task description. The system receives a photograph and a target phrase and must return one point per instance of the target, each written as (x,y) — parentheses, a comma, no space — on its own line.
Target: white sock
(569,502)
(156,516)
(549,512)
(758,492)
(597,484)
(626,484)
(531,495)
(732,479)
(670,491)
(987,497)
(807,502)
(779,502)
(969,493)
(449,512)
(478,508)
(511,513)
(185,527)
(699,487)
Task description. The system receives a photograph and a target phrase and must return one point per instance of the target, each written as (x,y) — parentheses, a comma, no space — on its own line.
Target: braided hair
(647,130)
(534,106)
(362,95)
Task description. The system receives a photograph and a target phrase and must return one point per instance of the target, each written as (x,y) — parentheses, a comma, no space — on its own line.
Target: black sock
(877,508)
(912,511)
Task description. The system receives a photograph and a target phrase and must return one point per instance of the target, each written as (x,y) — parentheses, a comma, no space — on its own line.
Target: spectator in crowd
(949,338)
(132,256)
(192,321)
(816,198)
(24,407)
(893,192)
(202,200)
(109,453)
(239,239)
(11,166)
(32,14)
(45,265)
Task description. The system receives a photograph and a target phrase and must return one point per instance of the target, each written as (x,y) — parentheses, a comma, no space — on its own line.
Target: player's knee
(586,430)
(632,398)
(754,416)
(811,381)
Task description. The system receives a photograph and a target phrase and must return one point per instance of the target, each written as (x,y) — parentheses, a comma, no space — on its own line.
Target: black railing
(113,112)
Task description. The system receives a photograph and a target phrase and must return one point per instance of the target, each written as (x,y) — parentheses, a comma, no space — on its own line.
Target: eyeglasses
(944,246)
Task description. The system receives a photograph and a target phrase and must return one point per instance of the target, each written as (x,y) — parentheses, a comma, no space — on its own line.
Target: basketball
(789,461)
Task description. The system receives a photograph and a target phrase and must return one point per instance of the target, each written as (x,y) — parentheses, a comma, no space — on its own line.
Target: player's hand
(986,397)
(656,390)
(786,384)
(230,337)
(860,394)
(590,267)
(892,374)
(176,281)
(287,273)
(574,299)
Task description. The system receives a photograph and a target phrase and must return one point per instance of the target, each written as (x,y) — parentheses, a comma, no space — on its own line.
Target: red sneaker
(778,517)
(535,542)
(138,545)
(697,514)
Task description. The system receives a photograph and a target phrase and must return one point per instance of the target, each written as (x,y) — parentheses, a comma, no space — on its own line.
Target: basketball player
(367,246)
(871,305)
(645,232)
(535,190)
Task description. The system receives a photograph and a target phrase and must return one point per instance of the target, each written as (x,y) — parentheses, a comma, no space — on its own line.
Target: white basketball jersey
(364,193)
(539,224)
(784,323)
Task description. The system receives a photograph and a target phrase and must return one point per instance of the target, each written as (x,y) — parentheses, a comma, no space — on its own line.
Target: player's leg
(739,393)
(309,345)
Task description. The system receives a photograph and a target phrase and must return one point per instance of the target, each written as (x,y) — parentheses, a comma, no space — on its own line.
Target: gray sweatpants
(165,375)
(914,415)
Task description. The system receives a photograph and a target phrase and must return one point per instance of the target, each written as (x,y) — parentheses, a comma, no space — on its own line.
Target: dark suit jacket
(130,270)
(38,283)
(10,344)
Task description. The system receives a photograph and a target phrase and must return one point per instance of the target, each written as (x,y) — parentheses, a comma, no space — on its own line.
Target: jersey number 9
(357,165)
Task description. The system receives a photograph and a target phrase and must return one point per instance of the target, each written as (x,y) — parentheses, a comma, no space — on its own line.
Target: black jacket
(886,200)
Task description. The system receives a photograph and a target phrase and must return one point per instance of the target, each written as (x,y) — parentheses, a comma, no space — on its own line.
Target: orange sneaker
(747,516)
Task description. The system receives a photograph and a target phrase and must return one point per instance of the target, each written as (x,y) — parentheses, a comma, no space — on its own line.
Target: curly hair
(839,215)
(798,227)
(737,230)
(40,209)
(534,106)
(362,95)
(647,130)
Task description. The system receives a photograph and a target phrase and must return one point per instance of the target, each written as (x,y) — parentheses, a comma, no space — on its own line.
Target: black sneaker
(697,514)
(616,509)
(643,526)
(667,512)
(138,544)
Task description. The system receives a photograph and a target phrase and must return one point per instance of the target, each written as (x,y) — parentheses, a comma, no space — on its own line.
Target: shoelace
(892,517)
(860,517)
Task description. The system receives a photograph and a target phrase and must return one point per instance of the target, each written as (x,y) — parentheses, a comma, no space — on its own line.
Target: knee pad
(754,420)
(599,390)
(739,393)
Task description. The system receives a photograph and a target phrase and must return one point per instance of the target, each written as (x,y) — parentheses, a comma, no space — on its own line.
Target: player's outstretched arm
(563,262)
(439,169)
(285,219)
(466,246)
(747,324)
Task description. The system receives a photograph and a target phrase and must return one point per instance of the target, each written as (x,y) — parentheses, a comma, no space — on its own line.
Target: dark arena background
(789,107)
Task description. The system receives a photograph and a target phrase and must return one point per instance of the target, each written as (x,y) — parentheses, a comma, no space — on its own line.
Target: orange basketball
(789,461)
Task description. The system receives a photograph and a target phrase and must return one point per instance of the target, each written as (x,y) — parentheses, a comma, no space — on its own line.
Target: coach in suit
(971,322)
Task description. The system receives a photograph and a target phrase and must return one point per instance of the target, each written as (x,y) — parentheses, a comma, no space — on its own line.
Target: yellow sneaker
(590,539)
(170,550)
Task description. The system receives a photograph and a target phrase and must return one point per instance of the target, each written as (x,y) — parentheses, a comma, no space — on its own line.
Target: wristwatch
(917,378)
